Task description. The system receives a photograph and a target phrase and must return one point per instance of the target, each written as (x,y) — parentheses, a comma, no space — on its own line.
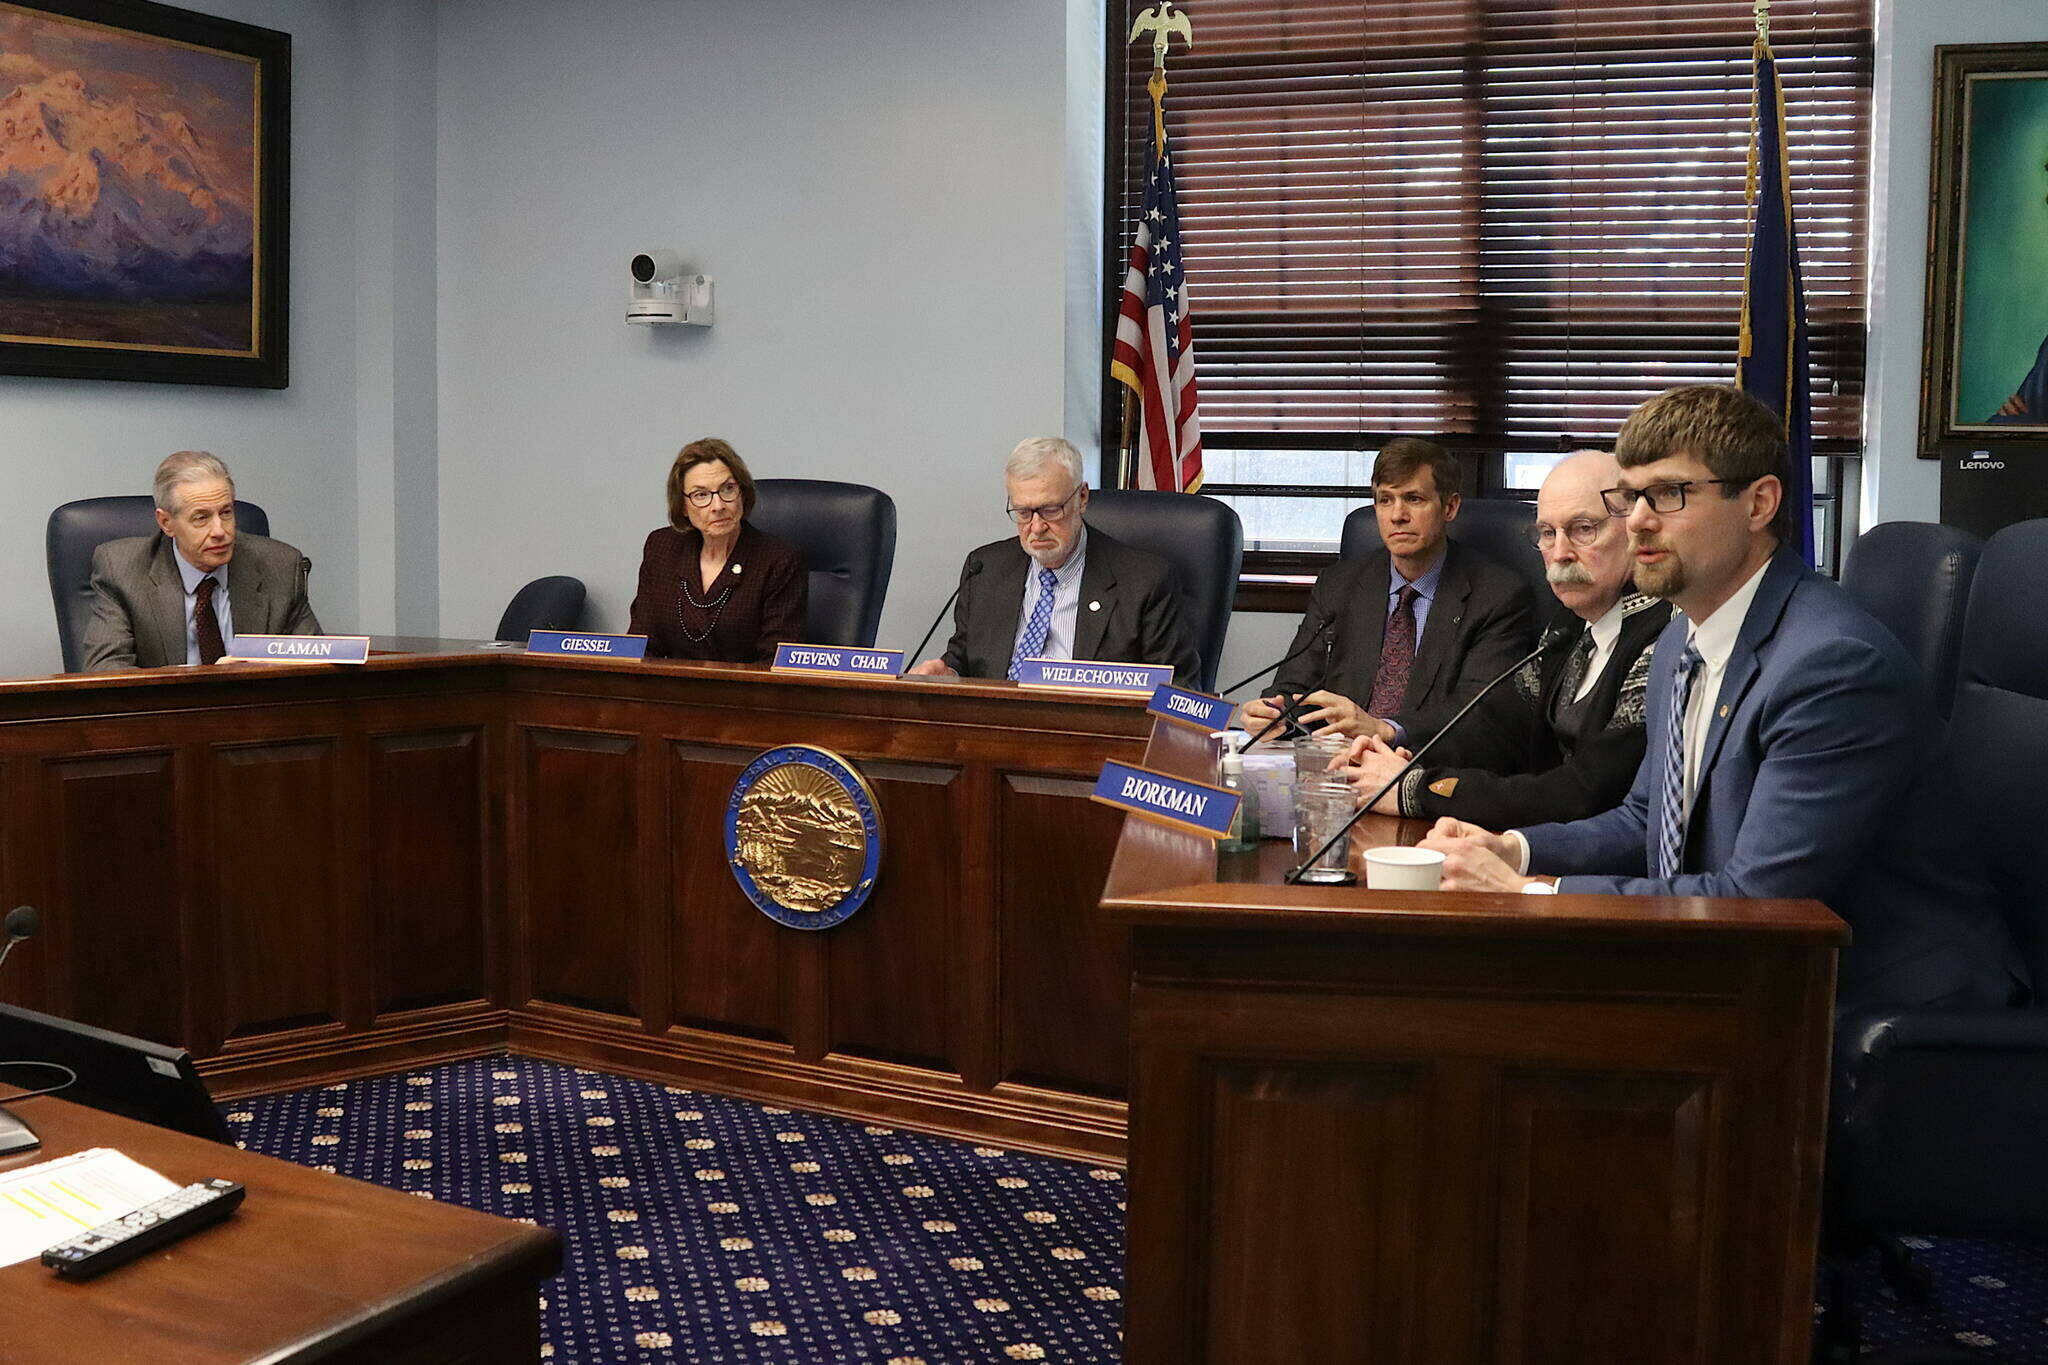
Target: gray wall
(902,231)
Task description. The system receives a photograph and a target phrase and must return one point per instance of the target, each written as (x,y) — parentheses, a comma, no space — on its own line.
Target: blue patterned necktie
(1671,810)
(1040,624)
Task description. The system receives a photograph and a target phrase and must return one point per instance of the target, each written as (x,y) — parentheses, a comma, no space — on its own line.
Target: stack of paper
(51,1201)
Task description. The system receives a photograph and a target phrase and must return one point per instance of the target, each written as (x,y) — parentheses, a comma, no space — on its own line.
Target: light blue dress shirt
(220,604)
(1066,602)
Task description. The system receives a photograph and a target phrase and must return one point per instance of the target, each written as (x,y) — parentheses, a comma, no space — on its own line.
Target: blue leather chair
(1496,527)
(1940,1118)
(846,533)
(1203,540)
(1914,576)
(553,603)
(76,529)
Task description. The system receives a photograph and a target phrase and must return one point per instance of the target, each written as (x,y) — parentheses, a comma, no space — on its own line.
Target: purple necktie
(1397,658)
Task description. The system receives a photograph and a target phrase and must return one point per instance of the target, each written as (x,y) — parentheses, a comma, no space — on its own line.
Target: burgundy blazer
(769,590)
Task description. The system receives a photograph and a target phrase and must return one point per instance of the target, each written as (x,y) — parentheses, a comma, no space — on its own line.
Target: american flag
(1155,342)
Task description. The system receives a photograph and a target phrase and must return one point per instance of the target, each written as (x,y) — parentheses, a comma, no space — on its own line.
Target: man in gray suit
(178,597)
(1059,589)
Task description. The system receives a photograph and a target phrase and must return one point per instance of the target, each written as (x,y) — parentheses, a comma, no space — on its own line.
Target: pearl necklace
(716,606)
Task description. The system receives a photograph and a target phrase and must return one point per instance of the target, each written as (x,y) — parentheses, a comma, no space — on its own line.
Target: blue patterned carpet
(705,1230)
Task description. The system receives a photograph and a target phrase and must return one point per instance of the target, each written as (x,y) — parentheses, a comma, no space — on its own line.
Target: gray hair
(187,466)
(1034,453)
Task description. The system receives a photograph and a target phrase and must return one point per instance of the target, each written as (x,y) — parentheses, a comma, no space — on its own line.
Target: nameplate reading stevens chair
(1206,713)
(300,649)
(1078,675)
(585,646)
(871,663)
(1192,807)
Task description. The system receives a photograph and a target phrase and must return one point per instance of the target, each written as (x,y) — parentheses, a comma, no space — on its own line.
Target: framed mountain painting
(144,194)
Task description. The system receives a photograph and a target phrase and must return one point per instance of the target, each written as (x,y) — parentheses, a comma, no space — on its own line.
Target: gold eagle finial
(1162,21)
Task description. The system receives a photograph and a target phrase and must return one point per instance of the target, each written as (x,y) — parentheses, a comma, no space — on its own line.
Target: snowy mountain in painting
(101,199)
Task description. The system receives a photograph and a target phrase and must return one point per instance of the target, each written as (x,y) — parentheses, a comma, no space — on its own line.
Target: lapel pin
(1095,606)
(1724,713)
(736,569)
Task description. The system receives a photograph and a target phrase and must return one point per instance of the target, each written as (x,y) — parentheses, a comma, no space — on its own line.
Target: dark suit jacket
(1483,619)
(1505,766)
(138,599)
(770,591)
(1137,620)
(1825,775)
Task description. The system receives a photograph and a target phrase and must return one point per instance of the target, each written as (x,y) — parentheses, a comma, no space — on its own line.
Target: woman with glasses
(711,585)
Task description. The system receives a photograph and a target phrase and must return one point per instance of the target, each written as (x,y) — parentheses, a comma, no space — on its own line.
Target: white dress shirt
(220,603)
(1066,603)
(1606,635)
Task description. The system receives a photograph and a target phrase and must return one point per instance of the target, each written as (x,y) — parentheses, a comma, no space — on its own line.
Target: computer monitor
(140,1080)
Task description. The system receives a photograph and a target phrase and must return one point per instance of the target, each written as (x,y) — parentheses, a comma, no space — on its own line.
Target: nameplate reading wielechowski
(870,663)
(1191,807)
(586,646)
(1080,675)
(300,649)
(1199,709)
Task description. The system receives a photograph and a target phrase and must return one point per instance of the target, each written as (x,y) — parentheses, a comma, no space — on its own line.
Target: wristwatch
(1539,888)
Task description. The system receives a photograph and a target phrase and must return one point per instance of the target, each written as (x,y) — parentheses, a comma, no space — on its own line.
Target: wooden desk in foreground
(1413,1127)
(307,872)
(312,1267)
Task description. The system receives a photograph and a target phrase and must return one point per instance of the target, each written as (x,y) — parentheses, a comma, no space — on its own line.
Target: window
(1500,224)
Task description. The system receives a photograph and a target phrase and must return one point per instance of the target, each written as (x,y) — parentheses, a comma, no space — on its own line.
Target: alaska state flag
(1773,366)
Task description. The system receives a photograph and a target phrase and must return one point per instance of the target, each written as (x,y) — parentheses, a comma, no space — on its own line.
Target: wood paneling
(426,875)
(278,935)
(574,866)
(730,960)
(892,969)
(112,851)
(1065,982)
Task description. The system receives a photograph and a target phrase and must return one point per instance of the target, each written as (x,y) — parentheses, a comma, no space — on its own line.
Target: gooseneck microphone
(22,922)
(1294,702)
(1320,632)
(1550,638)
(973,568)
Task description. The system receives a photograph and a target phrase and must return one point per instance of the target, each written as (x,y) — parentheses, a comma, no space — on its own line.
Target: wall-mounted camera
(667,291)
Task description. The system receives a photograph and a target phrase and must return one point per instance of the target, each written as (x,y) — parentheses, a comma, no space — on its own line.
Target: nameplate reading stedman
(872,663)
(299,649)
(1081,675)
(1199,709)
(1191,807)
(586,646)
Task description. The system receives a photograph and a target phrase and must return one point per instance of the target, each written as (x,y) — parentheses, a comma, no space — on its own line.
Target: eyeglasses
(1664,497)
(1058,511)
(1581,531)
(725,492)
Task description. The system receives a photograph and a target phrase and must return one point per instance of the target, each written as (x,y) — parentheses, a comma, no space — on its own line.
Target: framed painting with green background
(1984,381)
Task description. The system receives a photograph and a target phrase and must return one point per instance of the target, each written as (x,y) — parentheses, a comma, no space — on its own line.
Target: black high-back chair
(846,533)
(1940,1117)
(1915,576)
(552,603)
(76,529)
(1203,540)
(1496,527)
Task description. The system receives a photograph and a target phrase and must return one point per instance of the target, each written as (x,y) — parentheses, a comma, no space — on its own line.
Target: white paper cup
(1403,869)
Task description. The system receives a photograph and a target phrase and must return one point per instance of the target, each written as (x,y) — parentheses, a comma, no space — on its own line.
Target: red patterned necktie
(205,624)
(1397,658)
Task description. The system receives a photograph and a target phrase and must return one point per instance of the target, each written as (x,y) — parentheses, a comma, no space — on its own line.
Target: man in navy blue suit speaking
(1794,749)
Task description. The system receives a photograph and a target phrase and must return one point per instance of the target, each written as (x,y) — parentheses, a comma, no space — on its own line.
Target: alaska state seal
(803,836)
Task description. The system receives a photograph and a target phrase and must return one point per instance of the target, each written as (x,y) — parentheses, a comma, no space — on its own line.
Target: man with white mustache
(1564,738)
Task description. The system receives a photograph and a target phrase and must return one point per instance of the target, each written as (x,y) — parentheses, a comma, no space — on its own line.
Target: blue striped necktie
(1040,625)
(1671,810)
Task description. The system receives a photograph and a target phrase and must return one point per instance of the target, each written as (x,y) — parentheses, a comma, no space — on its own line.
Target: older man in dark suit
(1058,589)
(1411,632)
(178,597)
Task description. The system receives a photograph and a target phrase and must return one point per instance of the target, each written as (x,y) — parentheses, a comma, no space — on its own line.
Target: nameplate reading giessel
(873,663)
(1192,807)
(1081,675)
(586,646)
(1199,709)
(300,649)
